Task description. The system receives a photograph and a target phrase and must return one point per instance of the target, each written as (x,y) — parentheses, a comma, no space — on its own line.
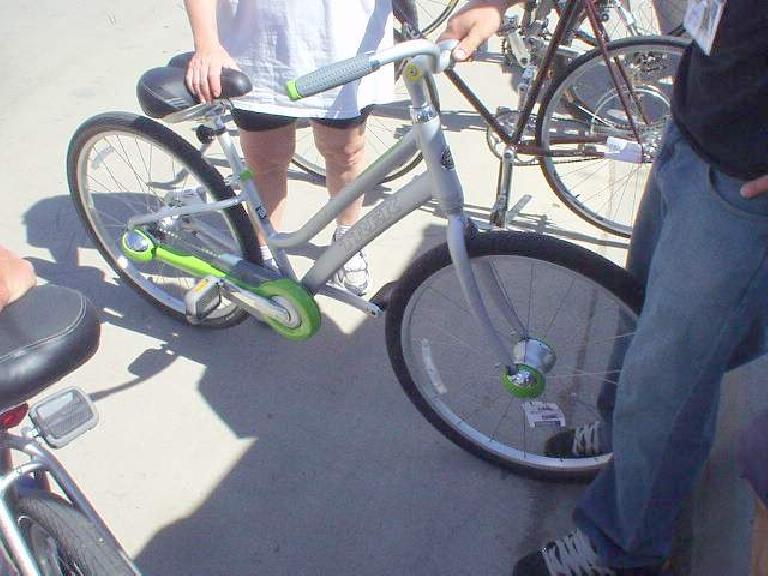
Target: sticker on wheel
(540,414)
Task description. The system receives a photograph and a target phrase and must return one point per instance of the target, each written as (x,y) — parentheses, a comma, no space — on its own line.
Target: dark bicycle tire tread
(78,538)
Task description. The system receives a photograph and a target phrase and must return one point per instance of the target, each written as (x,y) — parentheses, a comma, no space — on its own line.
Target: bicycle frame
(40,465)
(569,18)
(440,182)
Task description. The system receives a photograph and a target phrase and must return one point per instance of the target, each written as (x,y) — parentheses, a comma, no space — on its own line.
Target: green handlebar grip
(293,92)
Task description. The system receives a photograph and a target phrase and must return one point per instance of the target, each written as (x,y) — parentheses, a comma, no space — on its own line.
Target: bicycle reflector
(13,417)
(62,417)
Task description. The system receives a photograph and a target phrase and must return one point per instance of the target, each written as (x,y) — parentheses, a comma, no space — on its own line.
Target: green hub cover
(532,387)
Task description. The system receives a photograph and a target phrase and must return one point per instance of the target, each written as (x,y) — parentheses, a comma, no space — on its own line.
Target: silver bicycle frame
(440,182)
(40,460)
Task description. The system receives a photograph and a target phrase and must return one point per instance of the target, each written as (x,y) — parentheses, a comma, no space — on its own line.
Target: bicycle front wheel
(120,165)
(593,160)
(568,300)
(63,542)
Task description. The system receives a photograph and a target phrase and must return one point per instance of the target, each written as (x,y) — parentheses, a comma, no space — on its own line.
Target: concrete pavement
(237,452)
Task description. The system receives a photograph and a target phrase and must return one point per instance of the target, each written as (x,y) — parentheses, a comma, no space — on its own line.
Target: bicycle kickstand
(503,188)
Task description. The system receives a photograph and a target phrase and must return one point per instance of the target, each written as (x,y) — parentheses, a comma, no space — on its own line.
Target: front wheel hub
(533,359)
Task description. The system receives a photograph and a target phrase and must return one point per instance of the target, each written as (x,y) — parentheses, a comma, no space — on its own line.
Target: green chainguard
(292,90)
(302,301)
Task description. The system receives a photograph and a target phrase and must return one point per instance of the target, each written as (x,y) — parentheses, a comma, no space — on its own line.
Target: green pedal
(203,298)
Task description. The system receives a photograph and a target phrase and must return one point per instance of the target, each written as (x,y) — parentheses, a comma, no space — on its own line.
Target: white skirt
(276,41)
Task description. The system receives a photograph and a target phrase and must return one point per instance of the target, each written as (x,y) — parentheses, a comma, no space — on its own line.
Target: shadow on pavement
(342,475)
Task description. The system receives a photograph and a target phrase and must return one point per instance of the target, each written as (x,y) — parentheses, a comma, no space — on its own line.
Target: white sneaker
(354,274)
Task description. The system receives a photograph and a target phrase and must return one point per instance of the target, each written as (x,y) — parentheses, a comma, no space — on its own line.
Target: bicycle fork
(523,368)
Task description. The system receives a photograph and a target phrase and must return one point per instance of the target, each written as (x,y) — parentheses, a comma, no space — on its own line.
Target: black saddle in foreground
(44,335)
(163,91)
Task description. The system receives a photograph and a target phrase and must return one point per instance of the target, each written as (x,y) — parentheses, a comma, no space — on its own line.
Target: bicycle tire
(63,541)
(183,173)
(593,109)
(437,349)
(423,16)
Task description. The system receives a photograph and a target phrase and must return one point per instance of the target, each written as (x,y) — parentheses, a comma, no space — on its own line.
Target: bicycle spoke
(590,103)
(115,157)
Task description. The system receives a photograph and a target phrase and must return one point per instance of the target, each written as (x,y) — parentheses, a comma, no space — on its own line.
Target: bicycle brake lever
(446,60)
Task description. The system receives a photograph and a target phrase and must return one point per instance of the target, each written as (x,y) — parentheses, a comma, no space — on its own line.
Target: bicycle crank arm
(141,246)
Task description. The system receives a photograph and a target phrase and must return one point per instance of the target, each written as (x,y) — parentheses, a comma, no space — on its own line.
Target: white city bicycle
(498,338)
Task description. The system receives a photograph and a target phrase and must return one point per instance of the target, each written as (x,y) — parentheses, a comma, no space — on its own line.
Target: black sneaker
(573,555)
(580,442)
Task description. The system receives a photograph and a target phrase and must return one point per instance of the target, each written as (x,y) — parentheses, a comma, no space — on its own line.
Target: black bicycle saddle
(44,335)
(162,91)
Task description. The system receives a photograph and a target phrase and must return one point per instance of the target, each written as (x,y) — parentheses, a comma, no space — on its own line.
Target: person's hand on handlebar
(474,24)
(16,277)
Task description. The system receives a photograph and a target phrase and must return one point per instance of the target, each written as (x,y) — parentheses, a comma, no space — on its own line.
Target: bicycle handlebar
(340,73)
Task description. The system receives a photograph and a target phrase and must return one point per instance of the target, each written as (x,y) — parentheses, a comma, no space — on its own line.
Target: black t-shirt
(721,100)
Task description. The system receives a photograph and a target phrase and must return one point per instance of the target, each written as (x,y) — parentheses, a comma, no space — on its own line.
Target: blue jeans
(701,250)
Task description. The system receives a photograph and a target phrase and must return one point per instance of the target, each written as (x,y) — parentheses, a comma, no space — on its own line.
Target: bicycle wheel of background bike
(423,16)
(582,109)
(385,126)
(120,165)
(651,18)
(581,306)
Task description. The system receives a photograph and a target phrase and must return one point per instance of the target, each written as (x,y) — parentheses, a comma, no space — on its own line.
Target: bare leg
(344,153)
(268,154)
(343,150)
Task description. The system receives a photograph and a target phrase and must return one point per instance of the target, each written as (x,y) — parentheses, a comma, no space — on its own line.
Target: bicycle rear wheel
(579,305)
(120,165)
(583,109)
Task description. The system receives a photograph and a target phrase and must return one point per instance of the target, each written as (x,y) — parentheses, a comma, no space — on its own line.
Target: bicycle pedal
(203,298)
(63,416)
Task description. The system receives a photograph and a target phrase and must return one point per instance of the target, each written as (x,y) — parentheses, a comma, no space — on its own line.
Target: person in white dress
(277,41)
